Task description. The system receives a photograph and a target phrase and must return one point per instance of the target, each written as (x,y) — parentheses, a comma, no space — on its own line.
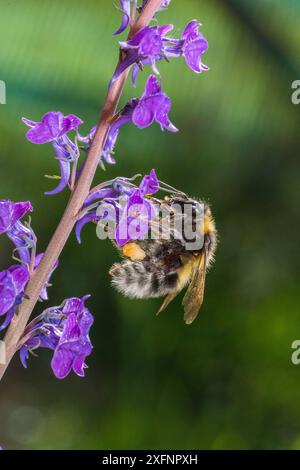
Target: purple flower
(134,218)
(146,45)
(151,44)
(138,211)
(165,4)
(88,138)
(124,117)
(12,285)
(194,45)
(54,128)
(11,213)
(126,205)
(154,105)
(22,236)
(14,279)
(65,330)
(110,142)
(149,184)
(125,6)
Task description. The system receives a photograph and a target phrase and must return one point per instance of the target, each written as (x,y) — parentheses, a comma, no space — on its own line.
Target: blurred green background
(227,381)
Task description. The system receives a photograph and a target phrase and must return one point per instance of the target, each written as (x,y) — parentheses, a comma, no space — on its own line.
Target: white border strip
(2,353)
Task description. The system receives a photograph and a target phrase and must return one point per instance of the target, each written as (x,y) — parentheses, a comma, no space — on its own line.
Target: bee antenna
(134,177)
(166,187)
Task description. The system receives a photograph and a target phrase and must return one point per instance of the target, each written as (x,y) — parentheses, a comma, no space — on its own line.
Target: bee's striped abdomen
(140,280)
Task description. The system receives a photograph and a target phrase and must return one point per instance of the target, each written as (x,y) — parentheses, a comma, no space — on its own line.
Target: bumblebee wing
(193,298)
(167,300)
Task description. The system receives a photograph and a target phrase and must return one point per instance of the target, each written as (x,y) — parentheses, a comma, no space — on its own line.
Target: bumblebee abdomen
(140,280)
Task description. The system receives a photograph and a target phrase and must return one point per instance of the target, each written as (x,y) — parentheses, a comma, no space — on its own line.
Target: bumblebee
(164,266)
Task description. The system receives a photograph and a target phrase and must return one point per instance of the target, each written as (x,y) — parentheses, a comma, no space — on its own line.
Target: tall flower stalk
(65,329)
(76,201)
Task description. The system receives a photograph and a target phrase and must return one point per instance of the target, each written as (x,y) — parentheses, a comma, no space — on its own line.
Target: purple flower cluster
(14,279)
(65,330)
(153,105)
(148,46)
(123,203)
(151,44)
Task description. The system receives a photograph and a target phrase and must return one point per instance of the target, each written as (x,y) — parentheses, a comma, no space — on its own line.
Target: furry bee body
(159,267)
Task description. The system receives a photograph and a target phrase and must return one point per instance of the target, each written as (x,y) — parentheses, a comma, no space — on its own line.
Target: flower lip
(52,126)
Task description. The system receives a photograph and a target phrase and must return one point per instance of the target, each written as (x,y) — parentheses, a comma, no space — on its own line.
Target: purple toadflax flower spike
(126,204)
(65,330)
(151,44)
(12,285)
(22,236)
(54,128)
(154,105)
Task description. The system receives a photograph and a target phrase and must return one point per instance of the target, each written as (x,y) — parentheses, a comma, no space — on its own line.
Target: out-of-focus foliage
(227,381)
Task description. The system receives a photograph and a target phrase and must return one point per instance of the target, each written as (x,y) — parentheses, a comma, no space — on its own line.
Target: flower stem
(77,198)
